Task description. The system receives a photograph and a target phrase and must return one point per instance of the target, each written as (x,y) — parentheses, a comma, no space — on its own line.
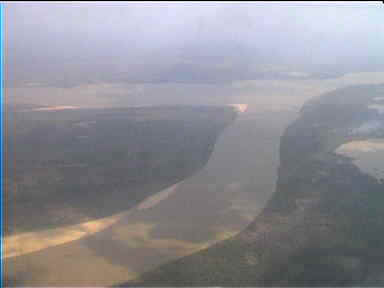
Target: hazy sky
(105,40)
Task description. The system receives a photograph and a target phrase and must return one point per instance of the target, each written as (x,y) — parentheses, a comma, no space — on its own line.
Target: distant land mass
(325,223)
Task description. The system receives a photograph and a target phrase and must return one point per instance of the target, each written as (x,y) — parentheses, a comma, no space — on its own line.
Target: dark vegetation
(69,166)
